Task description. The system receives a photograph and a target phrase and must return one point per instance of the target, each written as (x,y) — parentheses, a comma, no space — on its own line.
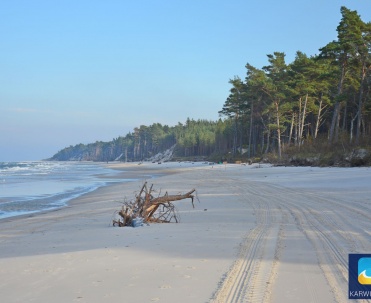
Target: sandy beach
(257,234)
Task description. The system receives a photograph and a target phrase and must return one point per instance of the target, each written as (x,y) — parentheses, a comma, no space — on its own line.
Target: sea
(36,186)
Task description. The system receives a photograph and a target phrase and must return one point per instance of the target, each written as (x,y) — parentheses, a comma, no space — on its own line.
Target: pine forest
(315,110)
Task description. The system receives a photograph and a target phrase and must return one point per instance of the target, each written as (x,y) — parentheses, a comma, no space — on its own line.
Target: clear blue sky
(84,70)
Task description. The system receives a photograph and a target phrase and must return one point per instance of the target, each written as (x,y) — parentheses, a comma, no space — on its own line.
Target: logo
(359,276)
(364,267)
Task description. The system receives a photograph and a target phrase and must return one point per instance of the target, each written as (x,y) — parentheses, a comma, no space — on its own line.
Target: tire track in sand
(289,233)
(249,278)
(320,224)
(331,224)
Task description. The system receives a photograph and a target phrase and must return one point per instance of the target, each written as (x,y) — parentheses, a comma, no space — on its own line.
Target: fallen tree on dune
(146,208)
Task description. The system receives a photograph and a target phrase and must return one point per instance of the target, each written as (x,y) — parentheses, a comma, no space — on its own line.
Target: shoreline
(129,172)
(122,175)
(266,223)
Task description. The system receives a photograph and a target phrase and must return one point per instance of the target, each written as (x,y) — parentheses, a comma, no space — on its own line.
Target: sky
(84,71)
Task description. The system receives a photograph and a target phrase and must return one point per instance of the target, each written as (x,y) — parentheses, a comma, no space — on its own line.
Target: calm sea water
(30,187)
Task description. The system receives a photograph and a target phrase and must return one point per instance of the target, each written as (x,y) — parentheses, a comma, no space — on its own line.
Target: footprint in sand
(97,283)
(155,299)
(165,286)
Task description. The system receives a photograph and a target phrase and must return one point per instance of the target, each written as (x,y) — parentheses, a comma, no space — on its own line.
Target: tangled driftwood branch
(147,208)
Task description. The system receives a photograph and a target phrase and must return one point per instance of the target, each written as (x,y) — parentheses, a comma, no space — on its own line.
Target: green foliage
(194,139)
(277,110)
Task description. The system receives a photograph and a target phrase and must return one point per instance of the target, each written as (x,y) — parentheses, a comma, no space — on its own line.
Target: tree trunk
(298,137)
(278,129)
(344,127)
(296,127)
(319,118)
(337,124)
(268,140)
(234,148)
(291,128)
(334,129)
(351,128)
(250,131)
(360,104)
(301,130)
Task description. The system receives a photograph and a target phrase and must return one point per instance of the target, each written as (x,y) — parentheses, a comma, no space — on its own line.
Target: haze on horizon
(86,71)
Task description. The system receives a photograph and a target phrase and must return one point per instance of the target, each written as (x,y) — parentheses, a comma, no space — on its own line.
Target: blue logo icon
(364,271)
(359,276)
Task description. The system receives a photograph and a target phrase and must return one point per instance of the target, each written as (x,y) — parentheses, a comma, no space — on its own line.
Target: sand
(257,234)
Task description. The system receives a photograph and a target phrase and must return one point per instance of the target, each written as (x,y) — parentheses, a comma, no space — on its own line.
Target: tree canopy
(281,105)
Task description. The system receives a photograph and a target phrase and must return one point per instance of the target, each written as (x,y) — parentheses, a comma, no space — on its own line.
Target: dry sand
(257,234)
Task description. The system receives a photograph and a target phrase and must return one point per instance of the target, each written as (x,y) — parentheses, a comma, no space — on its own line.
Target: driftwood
(146,208)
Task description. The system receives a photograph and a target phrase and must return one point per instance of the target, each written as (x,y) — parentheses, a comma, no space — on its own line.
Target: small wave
(26,166)
(41,204)
(29,187)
